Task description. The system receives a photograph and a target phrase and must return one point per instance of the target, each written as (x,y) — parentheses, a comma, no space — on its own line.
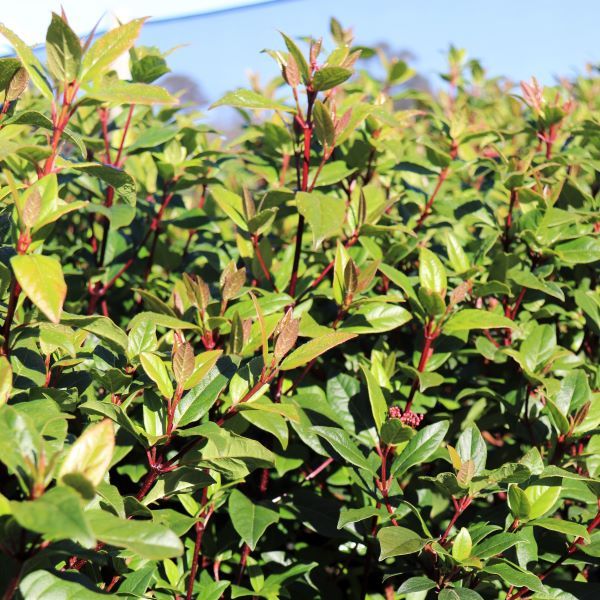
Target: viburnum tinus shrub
(351,353)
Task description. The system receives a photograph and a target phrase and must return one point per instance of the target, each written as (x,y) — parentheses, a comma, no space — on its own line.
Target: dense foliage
(351,353)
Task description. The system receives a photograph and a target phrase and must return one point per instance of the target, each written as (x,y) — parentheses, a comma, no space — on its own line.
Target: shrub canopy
(351,353)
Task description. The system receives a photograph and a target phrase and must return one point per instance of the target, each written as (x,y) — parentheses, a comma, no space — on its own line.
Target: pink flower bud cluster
(408,418)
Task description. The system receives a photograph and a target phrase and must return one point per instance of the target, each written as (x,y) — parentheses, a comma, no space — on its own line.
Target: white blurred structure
(29,19)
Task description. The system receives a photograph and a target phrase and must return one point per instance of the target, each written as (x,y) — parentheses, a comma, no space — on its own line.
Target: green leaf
(141,338)
(419,448)
(328,77)
(462,545)
(471,446)
(325,214)
(41,279)
(298,57)
(373,317)
(184,480)
(102,327)
(108,48)
(538,347)
(353,515)
(249,520)
(458,259)
(495,544)
(541,499)
(122,182)
(231,454)
(342,443)
(122,92)
(512,575)
(518,502)
(20,441)
(57,515)
(42,585)
(376,398)
(30,62)
(432,275)
(231,204)
(398,541)
(574,392)
(63,50)
(324,127)
(8,69)
(529,280)
(471,318)
(415,585)
(314,348)
(459,594)
(202,396)
(562,526)
(156,369)
(583,250)
(91,454)
(144,538)
(251,100)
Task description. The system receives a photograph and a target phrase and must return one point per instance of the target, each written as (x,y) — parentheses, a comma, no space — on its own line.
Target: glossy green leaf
(342,443)
(330,77)
(419,448)
(314,348)
(156,369)
(30,62)
(40,585)
(462,545)
(110,46)
(91,454)
(250,100)
(376,398)
(63,50)
(470,318)
(324,214)
(41,279)
(144,538)
(56,515)
(250,520)
(398,541)
(432,275)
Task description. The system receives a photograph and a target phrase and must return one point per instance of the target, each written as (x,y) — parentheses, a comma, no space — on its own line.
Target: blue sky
(517,38)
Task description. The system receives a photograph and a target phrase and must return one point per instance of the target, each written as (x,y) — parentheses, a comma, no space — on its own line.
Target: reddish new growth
(408,417)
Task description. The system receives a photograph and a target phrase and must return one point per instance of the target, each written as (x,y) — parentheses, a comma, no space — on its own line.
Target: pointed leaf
(41,279)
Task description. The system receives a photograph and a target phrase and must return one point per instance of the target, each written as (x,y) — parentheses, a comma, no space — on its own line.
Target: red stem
(320,468)
(307,128)
(428,337)
(200,529)
(117,162)
(384,483)
(243,559)
(441,178)
(261,262)
(509,220)
(459,507)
